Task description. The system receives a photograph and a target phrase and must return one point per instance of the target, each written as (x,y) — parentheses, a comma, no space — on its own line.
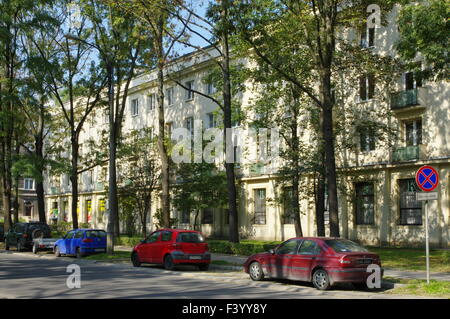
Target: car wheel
(321,279)
(255,271)
(35,249)
(168,263)
(135,260)
(57,252)
(203,267)
(78,253)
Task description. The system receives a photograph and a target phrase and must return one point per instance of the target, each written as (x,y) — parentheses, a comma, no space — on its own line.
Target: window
(169,94)
(189,93)
(412,81)
(227,216)
(309,247)
(365,205)
(28,208)
(366,87)
(288,206)
(169,129)
(212,120)
(153,237)
(166,236)
(210,89)
(106,116)
(70,234)
(207,216)
(367,140)
(190,125)
(79,234)
(151,102)
(185,216)
(190,237)
(260,206)
(344,246)
(134,107)
(413,132)
(410,208)
(367,38)
(28,184)
(288,247)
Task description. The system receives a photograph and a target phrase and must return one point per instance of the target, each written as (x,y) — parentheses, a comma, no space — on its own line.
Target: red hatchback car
(171,247)
(322,261)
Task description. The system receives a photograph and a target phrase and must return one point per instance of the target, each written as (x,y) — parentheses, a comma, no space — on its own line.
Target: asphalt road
(23,275)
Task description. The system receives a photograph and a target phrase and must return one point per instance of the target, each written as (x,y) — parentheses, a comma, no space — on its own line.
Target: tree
(424,29)
(199,186)
(216,29)
(75,82)
(139,173)
(119,40)
(273,31)
(153,14)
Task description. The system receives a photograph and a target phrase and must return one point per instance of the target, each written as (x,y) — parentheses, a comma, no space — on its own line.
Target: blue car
(81,242)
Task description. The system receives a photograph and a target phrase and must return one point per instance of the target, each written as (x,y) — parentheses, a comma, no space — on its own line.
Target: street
(24,275)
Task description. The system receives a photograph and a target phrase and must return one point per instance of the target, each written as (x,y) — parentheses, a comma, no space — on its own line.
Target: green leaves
(424,30)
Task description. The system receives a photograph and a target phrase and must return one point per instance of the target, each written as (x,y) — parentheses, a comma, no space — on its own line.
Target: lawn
(413,259)
(421,288)
(118,255)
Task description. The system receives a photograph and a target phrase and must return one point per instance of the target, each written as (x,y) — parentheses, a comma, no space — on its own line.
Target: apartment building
(378,206)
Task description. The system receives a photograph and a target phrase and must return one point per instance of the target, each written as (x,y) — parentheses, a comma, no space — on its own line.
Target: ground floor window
(185,216)
(207,216)
(410,208)
(288,206)
(260,206)
(365,204)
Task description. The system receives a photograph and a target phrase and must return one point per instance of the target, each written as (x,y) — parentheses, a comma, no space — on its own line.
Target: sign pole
(427,248)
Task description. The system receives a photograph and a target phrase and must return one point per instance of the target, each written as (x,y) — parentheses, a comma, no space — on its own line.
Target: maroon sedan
(324,261)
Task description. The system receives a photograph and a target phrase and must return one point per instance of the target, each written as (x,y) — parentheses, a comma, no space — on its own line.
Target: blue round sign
(427,178)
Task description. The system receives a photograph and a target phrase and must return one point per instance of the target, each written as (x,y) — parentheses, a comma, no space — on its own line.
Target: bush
(245,248)
(128,241)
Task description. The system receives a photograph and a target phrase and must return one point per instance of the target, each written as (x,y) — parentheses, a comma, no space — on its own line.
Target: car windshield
(190,238)
(344,246)
(42,227)
(96,233)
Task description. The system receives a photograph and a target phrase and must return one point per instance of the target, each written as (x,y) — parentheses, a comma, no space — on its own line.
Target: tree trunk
(320,204)
(162,148)
(227,112)
(74,181)
(39,180)
(15,205)
(113,207)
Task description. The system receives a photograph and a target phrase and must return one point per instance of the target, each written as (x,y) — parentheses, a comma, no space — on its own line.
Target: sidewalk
(236,262)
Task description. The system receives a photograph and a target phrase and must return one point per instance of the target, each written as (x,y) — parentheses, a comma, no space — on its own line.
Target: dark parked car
(171,247)
(2,233)
(80,242)
(22,235)
(322,261)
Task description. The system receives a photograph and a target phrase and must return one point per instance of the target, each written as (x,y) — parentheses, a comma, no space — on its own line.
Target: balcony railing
(408,153)
(55,190)
(404,99)
(257,169)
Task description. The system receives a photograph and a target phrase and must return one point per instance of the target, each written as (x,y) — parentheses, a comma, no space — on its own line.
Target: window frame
(417,207)
(189,93)
(135,107)
(259,217)
(371,195)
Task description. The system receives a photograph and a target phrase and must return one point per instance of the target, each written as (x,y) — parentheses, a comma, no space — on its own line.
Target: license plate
(195,257)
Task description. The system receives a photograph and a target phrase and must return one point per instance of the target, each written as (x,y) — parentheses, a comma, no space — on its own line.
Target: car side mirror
(272,251)
(143,241)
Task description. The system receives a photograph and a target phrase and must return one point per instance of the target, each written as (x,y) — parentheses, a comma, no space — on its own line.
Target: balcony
(403,99)
(55,190)
(408,153)
(257,169)
(99,186)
